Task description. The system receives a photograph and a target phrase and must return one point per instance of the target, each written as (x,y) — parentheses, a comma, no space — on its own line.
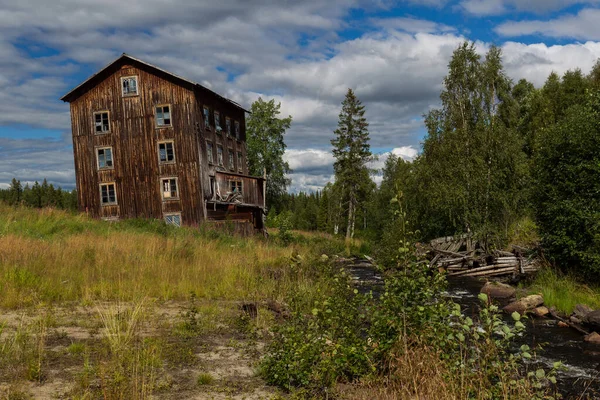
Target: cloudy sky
(304,54)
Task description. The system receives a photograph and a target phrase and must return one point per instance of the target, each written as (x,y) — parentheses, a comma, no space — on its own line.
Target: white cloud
(498,7)
(411,25)
(584,25)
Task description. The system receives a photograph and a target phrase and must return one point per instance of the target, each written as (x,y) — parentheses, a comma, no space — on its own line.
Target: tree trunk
(351,217)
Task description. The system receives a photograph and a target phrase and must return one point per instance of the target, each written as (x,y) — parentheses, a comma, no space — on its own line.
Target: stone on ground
(592,338)
(525,304)
(498,290)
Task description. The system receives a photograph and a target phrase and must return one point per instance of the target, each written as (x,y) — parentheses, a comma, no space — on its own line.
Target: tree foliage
(266,147)
(39,196)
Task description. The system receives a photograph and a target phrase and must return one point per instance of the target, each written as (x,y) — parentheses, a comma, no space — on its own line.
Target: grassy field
(126,310)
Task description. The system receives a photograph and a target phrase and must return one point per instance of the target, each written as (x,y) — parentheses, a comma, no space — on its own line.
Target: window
(166,152)
(220,155)
(237,130)
(212,187)
(240,161)
(228,126)
(209,152)
(129,85)
(105,158)
(108,194)
(218,121)
(163,115)
(235,186)
(231,164)
(206,117)
(101,123)
(173,219)
(169,188)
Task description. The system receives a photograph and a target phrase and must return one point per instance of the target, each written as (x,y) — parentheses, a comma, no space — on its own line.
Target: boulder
(592,338)
(562,324)
(593,319)
(525,304)
(541,311)
(498,290)
(581,310)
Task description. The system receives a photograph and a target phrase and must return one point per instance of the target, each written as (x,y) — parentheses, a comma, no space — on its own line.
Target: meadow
(130,309)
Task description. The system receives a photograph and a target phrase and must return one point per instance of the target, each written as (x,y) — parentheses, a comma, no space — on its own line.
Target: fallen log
(557,317)
(491,272)
(480,269)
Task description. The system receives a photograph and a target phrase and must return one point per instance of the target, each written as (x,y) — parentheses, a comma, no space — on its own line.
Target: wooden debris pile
(463,256)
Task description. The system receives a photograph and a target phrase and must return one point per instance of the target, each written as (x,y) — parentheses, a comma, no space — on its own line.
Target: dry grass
(51,256)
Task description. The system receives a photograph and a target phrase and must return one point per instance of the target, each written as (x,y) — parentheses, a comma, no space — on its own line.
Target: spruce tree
(351,151)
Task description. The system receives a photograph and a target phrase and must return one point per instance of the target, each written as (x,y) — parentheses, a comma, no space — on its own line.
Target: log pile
(462,256)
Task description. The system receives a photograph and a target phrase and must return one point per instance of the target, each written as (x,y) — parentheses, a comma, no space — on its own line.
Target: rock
(498,290)
(526,303)
(593,319)
(575,320)
(562,324)
(541,311)
(581,310)
(592,338)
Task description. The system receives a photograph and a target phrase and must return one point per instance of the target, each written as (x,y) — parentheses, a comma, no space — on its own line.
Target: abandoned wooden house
(150,144)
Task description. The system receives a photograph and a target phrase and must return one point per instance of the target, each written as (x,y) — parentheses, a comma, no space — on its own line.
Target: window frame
(162,192)
(217,120)
(170,124)
(137,86)
(112,158)
(231,159)
(221,163)
(206,116)
(116,202)
(94,122)
(228,126)
(240,161)
(209,153)
(172,214)
(237,130)
(238,182)
(160,162)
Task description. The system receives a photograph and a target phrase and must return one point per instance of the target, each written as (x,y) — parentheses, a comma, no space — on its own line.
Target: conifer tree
(351,151)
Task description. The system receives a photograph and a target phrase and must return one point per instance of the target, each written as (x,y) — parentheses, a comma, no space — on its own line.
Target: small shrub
(205,379)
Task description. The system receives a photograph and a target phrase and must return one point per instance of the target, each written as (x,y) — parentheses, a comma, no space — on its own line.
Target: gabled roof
(114,65)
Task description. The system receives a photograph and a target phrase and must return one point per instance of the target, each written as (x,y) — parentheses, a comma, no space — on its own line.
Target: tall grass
(55,256)
(564,292)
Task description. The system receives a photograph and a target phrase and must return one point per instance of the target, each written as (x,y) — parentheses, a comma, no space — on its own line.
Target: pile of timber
(462,256)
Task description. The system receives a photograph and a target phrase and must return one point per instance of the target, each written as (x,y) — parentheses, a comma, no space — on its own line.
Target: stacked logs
(462,256)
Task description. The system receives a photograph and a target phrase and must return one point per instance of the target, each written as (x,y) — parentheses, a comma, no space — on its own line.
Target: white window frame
(94,122)
(240,161)
(162,106)
(160,162)
(162,191)
(112,158)
(137,86)
(210,152)
(166,215)
(100,189)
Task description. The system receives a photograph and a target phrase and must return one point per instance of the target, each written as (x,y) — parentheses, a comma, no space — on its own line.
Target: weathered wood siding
(134,139)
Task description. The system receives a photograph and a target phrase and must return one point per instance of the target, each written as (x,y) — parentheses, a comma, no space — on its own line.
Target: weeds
(205,379)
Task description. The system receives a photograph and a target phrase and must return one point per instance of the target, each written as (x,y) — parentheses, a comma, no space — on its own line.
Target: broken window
(235,186)
(206,117)
(166,152)
(129,85)
(108,194)
(212,187)
(228,126)
(169,188)
(101,122)
(240,161)
(173,219)
(163,115)
(209,152)
(231,164)
(105,158)
(237,130)
(220,155)
(218,121)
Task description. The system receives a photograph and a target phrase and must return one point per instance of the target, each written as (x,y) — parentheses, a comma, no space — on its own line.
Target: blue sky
(304,54)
